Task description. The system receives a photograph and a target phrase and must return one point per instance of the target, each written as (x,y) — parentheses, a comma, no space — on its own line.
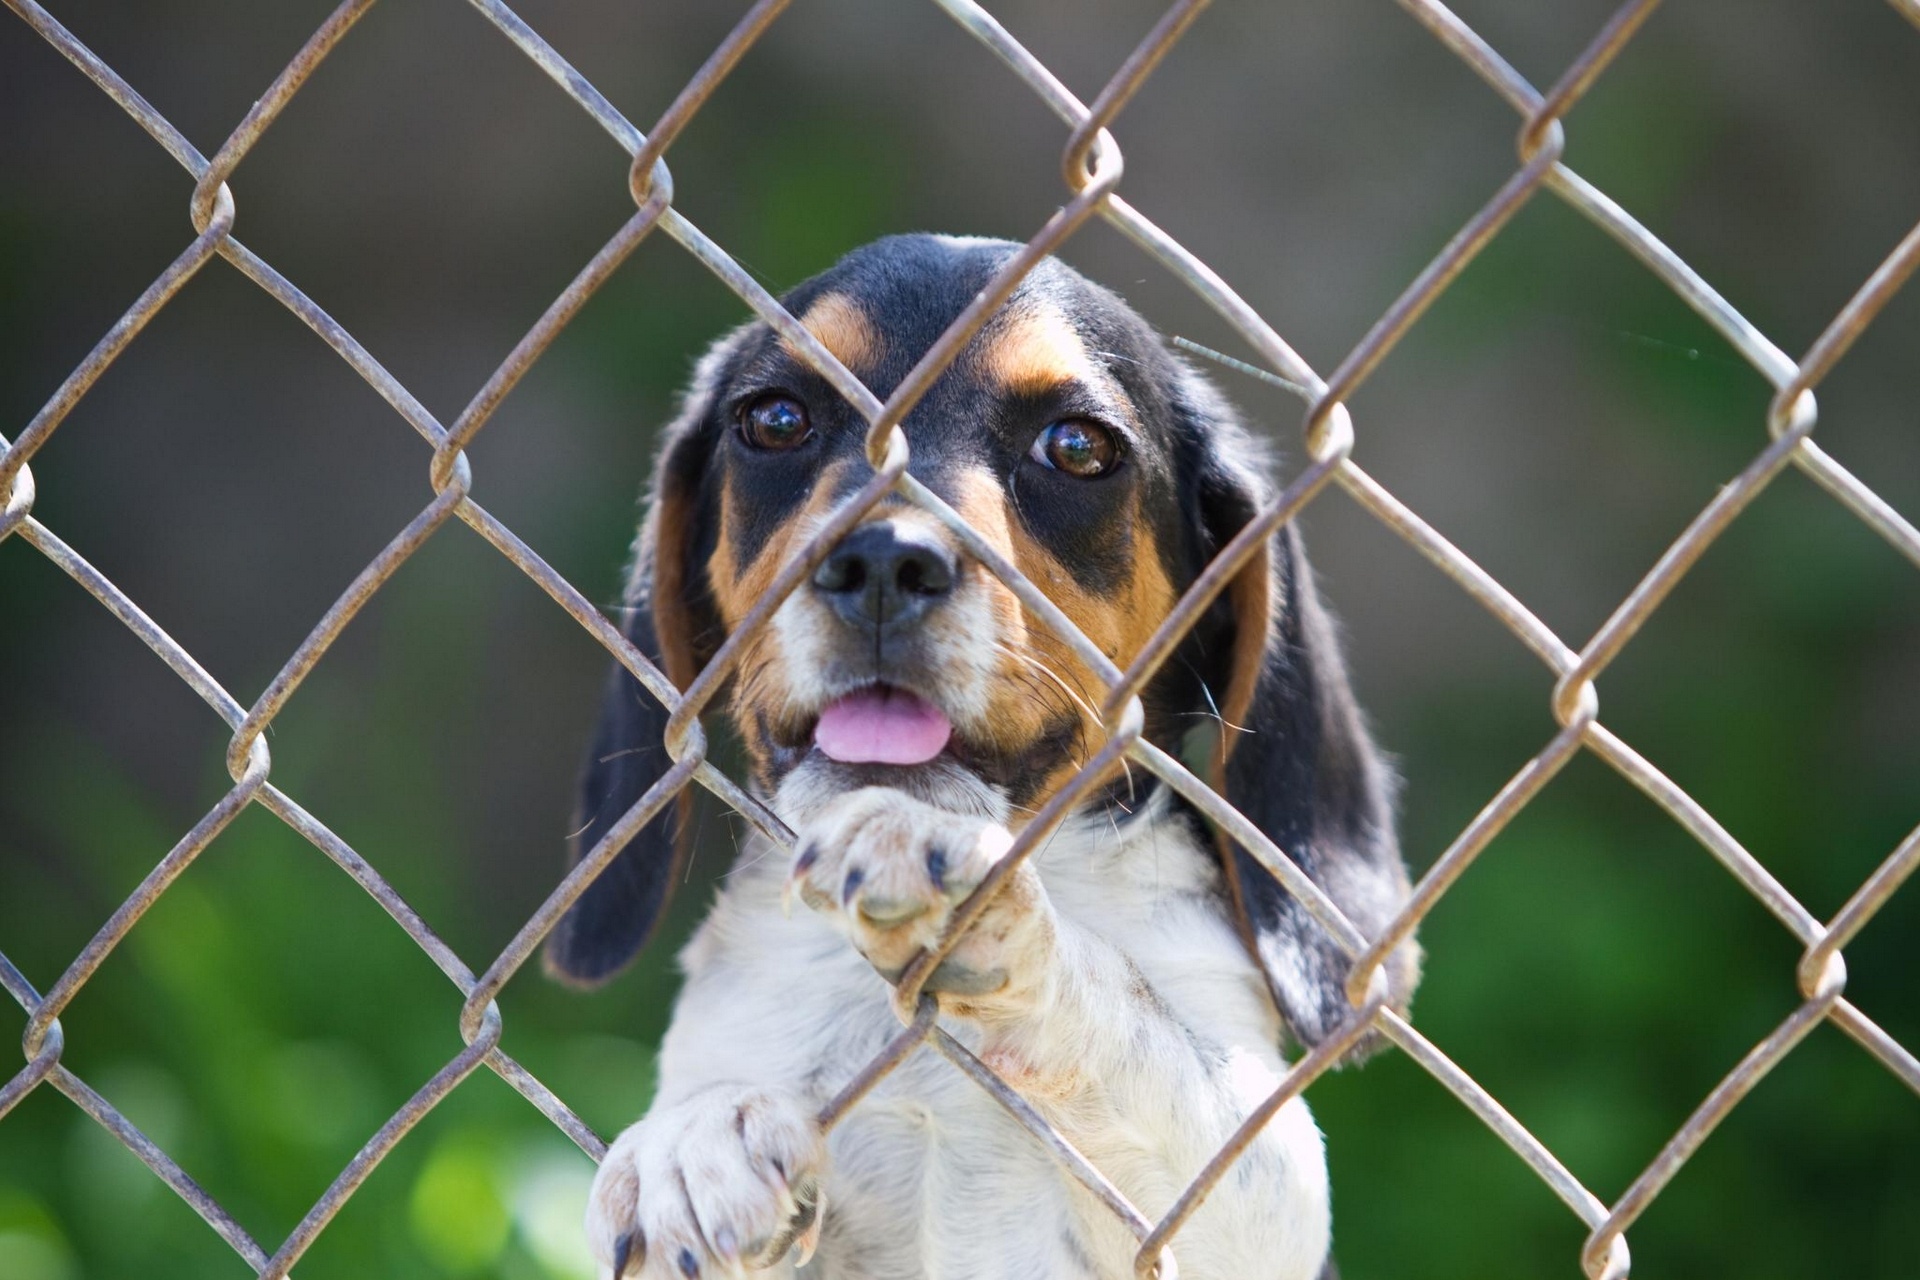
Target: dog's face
(1081,450)
(1060,435)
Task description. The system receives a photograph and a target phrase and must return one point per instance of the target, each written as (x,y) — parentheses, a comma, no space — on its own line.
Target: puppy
(904,714)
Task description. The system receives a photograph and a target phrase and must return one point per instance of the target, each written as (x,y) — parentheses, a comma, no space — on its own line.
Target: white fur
(1132,1019)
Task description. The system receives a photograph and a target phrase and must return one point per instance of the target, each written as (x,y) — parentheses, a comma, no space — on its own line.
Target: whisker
(699,838)
(742,866)
(1213,712)
(624,751)
(1241,366)
(1049,696)
(1051,674)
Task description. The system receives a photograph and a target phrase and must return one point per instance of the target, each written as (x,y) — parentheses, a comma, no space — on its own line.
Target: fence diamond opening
(1092,168)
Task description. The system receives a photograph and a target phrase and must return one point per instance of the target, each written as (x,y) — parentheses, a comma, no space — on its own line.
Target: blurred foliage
(1596,971)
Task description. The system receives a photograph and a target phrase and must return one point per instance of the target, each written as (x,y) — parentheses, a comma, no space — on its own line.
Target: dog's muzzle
(883,578)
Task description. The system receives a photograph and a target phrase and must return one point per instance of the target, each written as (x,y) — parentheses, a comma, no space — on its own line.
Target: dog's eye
(1078,447)
(775,422)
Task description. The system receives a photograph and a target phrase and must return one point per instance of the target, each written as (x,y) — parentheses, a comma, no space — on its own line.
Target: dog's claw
(809,854)
(625,1259)
(725,1219)
(937,867)
(809,1237)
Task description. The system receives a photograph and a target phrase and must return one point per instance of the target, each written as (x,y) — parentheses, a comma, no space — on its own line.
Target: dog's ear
(1298,761)
(671,620)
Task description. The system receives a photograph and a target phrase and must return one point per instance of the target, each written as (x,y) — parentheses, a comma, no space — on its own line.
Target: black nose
(882,576)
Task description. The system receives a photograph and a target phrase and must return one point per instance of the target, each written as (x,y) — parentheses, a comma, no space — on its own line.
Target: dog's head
(1083,451)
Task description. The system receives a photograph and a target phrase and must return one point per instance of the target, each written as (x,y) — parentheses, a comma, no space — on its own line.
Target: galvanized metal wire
(1092,169)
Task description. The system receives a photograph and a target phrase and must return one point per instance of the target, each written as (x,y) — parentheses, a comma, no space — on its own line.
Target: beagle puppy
(1136,978)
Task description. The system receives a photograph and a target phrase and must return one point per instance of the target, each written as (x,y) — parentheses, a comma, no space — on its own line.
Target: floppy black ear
(610,922)
(670,620)
(1300,765)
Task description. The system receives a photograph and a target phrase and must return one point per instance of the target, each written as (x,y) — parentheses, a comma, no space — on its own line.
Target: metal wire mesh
(1092,169)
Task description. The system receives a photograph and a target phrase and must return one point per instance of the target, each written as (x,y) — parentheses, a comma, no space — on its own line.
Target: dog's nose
(882,575)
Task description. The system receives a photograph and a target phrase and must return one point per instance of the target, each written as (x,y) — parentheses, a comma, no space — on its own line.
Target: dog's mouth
(885,732)
(881,724)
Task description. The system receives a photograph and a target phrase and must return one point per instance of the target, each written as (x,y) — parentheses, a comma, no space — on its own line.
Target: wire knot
(1542,133)
(1091,157)
(211,209)
(888,452)
(486,1021)
(43,1042)
(685,735)
(20,494)
(1605,1256)
(1576,698)
(1368,986)
(1329,430)
(248,759)
(450,469)
(1822,972)
(648,179)
(1793,410)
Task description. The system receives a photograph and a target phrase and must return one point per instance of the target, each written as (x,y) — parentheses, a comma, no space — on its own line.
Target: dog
(1136,978)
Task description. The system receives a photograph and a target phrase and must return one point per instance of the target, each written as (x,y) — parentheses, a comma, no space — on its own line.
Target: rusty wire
(1091,166)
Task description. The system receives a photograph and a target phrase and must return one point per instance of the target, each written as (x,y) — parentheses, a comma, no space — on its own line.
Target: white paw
(890,870)
(727,1180)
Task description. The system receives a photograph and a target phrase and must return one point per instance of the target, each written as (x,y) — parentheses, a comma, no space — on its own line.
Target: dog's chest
(930,1175)
(931,1178)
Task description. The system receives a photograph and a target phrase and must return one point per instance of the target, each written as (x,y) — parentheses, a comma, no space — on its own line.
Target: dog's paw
(725,1181)
(890,870)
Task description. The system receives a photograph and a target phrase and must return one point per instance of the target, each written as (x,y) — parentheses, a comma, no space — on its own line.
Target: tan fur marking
(736,587)
(842,328)
(1149,595)
(760,682)
(671,514)
(1251,595)
(1014,717)
(1033,351)
(1118,624)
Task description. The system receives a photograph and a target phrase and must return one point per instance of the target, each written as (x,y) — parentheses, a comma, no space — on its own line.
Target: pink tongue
(882,726)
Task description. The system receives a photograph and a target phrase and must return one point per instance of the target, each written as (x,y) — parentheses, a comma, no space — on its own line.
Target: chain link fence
(1092,168)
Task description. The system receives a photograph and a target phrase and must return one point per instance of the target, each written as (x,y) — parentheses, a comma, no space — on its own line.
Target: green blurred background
(1559,414)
